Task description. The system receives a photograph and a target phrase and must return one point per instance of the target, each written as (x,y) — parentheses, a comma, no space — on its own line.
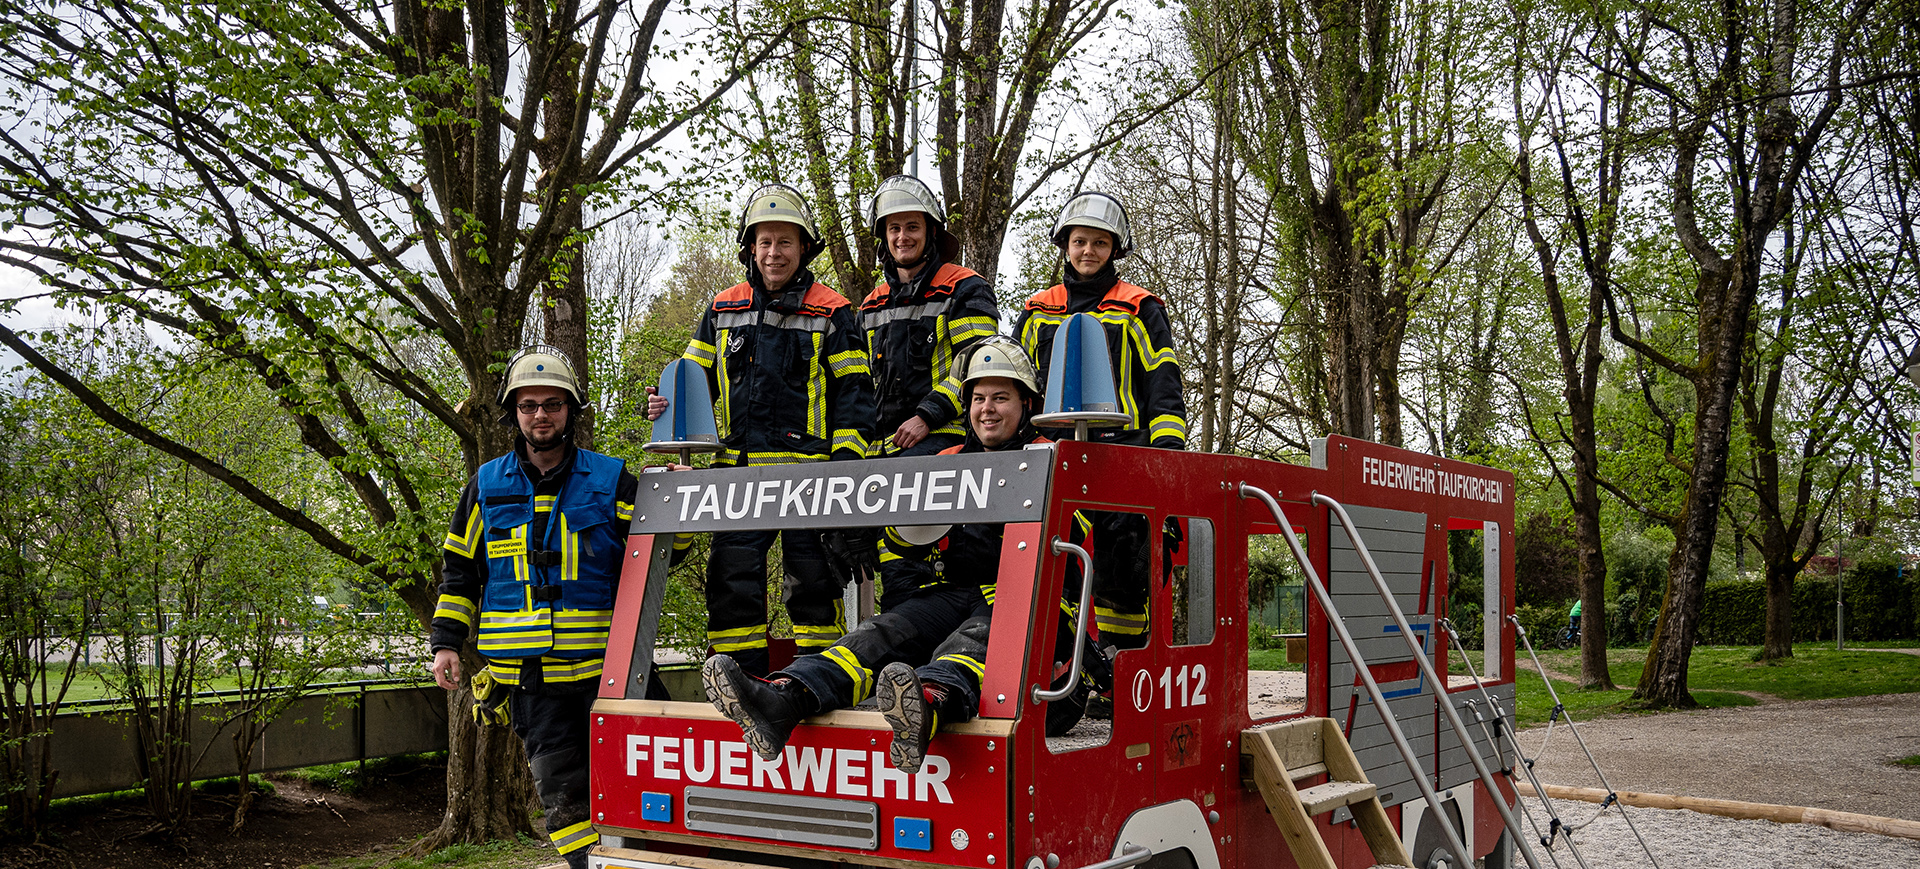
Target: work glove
(490,707)
(852,552)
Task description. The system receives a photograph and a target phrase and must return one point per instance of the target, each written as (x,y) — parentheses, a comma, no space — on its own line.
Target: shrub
(1543,622)
(1881,602)
(1546,560)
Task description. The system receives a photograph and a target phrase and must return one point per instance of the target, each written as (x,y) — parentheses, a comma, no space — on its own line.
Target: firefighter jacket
(531,565)
(788,372)
(915,330)
(967,555)
(1140,344)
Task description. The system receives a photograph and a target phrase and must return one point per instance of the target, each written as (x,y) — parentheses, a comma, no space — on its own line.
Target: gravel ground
(1829,754)
(1688,840)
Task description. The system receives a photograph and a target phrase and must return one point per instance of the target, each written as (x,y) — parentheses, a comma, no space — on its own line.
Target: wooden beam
(1846,822)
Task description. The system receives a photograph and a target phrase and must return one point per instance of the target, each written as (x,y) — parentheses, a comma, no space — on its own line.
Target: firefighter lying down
(939,611)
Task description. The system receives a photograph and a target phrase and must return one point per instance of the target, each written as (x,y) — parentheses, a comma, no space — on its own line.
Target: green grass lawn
(1269,659)
(516,854)
(90,684)
(1716,675)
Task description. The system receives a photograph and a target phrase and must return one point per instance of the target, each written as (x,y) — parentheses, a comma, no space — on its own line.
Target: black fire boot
(766,711)
(912,708)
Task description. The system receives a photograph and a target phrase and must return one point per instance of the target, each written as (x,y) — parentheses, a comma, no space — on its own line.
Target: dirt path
(1830,754)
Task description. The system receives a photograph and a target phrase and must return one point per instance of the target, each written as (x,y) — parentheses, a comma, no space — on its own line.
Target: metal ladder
(1334,620)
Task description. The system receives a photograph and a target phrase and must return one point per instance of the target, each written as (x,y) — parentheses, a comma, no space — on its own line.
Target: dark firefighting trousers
(908,631)
(737,595)
(552,720)
(959,663)
(1120,574)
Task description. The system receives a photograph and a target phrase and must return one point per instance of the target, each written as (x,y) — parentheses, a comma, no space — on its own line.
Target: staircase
(1303,748)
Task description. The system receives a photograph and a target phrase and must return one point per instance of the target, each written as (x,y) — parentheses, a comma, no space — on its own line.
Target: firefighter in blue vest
(1093,234)
(531,561)
(787,363)
(925,314)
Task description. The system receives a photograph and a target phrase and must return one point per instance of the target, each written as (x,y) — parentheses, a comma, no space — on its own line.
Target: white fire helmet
(905,193)
(1002,357)
(1096,211)
(778,203)
(537,365)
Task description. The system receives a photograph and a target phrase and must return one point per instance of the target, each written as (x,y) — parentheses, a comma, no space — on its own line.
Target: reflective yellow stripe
(758,459)
(722,415)
(701,352)
(517,620)
(1116,622)
(459,609)
(861,676)
(543,503)
(583,619)
(979,669)
(567,840)
(849,439)
(942,352)
(738,639)
(563,670)
(1167,424)
(850,362)
(466,545)
(623,511)
(816,391)
(965,329)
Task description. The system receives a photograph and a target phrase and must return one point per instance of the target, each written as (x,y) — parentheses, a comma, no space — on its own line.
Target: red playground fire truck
(1204,764)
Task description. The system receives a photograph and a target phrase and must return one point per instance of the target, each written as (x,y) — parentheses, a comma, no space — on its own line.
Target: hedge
(1881,605)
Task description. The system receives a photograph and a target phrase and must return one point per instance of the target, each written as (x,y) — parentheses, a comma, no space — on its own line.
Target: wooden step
(1324,798)
(1278,755)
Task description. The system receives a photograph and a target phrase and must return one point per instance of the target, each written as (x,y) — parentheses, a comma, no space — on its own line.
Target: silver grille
(784,817)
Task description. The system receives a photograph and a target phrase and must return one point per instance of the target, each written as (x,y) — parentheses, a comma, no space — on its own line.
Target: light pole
(1839,577)
(1912,366)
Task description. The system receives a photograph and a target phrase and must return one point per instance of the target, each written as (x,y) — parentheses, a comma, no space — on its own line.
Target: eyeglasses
(552,406)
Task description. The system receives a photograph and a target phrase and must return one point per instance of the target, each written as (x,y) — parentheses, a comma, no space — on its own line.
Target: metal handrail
(1130,855)
(1379,699)
(1080,623)
(1495,733)
(1426,669)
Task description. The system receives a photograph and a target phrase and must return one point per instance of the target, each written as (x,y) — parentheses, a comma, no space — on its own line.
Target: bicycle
(1569,637)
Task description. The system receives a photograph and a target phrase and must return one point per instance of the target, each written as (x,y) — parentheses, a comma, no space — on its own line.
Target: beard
(552,439)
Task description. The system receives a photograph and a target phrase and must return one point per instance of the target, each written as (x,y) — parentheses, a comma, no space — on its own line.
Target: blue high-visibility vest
(552,596)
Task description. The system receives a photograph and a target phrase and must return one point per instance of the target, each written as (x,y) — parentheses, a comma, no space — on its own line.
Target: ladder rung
(1299,772)
(1323,798)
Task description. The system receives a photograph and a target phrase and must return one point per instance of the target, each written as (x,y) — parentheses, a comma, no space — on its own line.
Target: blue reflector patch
(913,834)
(656,807)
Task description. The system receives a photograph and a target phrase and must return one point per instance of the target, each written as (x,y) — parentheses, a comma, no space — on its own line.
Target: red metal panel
(626,615)
(961,790)
(1000,689)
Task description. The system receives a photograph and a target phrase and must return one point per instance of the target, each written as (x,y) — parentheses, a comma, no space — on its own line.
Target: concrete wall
(96,752)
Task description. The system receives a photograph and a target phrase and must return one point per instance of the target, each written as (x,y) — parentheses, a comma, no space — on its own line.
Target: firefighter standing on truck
(945,621)
(924,315)
(533,554)
(787,364)
(1092,234)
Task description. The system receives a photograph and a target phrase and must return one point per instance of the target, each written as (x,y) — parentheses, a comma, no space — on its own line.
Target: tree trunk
(488,784)
(1663,681)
